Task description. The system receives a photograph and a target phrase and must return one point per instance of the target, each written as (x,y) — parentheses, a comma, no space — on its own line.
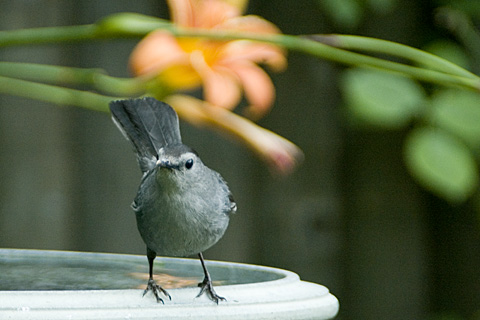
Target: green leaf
(441,163)
(450,51)
(382,6)
(458,111)
(346,13)
(382,99)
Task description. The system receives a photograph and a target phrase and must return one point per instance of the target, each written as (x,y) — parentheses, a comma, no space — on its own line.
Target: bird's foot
(206,285)
(156,289)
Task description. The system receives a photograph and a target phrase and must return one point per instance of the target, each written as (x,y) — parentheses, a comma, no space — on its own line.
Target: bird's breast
(176,224)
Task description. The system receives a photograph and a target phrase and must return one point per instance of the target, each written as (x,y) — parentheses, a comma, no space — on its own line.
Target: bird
(182,207)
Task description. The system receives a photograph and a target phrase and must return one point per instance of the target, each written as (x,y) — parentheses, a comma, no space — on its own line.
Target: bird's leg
(206,284)
(152,285)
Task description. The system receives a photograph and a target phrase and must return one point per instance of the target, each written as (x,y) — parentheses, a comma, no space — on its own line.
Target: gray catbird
(182,207)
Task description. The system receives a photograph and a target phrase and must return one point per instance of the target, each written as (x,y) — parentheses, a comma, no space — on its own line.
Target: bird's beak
(164,163)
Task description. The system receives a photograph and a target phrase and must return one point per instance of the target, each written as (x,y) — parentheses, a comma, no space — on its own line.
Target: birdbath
(38,284)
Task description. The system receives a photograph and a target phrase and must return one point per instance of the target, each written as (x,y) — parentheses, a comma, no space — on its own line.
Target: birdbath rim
(252,291)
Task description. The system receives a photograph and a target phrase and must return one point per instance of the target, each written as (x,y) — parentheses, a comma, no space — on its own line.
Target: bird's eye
(189,164)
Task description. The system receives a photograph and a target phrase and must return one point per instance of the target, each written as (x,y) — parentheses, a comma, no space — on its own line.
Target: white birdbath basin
(76,285)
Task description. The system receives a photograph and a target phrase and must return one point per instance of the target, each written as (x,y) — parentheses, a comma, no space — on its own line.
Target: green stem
(331,53)
(53,94)
(128,25)
(355,59)
(417,56)
(48,35)
(74,76)
(121,25)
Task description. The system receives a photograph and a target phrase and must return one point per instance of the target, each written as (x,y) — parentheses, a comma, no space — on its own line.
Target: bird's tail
(149,124)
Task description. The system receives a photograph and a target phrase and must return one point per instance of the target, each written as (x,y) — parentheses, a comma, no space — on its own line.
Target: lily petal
(241,5)
(212,13)
(182,12)
(221,87)
(257,86)
(201,13)
(239,50)
(155,52)
(250,23)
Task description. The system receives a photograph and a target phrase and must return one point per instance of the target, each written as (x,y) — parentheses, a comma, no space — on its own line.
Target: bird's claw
(206,285)
(156,289)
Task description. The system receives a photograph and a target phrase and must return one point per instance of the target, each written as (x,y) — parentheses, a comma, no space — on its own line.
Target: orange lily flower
(225,68)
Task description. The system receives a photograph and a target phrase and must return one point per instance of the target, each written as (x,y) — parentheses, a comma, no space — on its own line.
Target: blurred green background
(351,217)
